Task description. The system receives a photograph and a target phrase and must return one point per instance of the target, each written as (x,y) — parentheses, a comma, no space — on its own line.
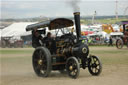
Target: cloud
(31,9)
(22,5)
(123,4)
(57,8)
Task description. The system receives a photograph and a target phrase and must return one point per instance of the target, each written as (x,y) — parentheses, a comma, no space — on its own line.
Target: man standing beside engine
(36,39)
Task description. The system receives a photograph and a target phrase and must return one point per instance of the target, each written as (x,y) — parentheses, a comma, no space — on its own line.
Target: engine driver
(47,40)
(50,42)
(36,38)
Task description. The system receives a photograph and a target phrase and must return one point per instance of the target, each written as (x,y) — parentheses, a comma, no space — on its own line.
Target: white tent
(102,33)
(84,28)
(116,28)
(116,33)
(16,30)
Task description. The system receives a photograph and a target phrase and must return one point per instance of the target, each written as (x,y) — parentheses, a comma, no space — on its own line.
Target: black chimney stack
(77,23)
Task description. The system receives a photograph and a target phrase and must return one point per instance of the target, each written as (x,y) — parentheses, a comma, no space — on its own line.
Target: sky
(60,8)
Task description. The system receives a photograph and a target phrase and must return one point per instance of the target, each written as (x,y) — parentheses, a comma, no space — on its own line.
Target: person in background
(90,41)
(110,42)
(105,40)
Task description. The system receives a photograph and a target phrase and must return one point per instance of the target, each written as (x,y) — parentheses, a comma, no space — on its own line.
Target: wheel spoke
(35,60)
(37,67)
(94,59)
(91,67)
(97,62)
(98,67)
(95,70)
(40,54)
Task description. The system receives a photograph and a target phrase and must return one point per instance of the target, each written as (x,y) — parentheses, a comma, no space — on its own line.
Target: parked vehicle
(124,39)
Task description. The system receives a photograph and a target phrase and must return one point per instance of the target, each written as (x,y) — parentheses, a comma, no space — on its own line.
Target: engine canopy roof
(57,23)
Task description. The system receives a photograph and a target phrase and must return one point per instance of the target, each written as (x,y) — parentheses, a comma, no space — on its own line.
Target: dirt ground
(16,69)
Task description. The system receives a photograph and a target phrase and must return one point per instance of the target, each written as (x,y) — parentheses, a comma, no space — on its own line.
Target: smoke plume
(75,5)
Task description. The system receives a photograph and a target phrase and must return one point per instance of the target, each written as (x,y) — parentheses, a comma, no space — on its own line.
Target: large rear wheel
(42,62)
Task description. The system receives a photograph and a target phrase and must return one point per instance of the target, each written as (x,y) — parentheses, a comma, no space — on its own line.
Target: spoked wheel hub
(40,62)
(70,68)
(94,65)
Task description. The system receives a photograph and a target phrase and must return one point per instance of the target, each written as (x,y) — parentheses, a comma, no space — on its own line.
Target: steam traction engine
(67,52)
(124,39)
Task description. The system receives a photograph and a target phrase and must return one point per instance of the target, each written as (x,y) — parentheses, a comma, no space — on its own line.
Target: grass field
(104,21)
(16,68)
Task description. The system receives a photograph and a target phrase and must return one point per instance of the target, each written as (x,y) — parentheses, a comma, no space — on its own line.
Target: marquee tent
(16,30)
